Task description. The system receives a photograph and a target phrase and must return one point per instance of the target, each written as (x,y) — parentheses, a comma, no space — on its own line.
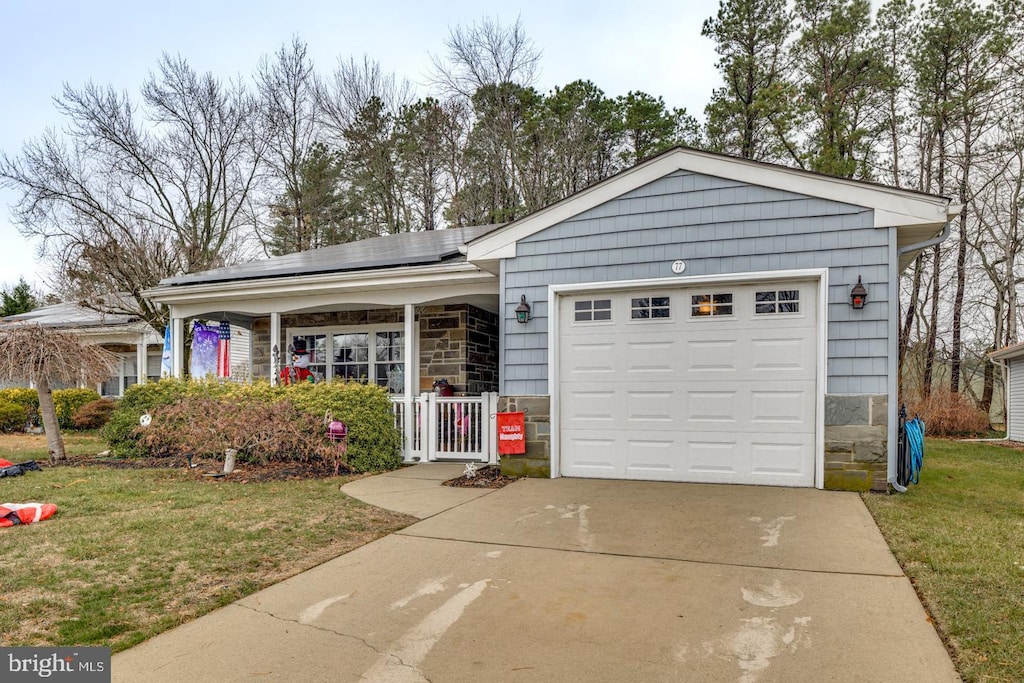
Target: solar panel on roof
(402,249)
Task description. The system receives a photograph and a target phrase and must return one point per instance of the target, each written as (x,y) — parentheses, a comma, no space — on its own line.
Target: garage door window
(777,301)
(707,305)
(593,310)
(646,308)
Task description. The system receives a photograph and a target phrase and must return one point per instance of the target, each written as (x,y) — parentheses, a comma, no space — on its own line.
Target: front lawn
(131,552)
(959,535)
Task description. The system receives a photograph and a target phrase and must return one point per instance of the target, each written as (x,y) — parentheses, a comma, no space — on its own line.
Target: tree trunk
(933,324)
(915,296)
(48,414)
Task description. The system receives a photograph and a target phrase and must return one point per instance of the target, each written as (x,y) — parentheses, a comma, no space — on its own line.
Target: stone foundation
(536,462)
(856,442)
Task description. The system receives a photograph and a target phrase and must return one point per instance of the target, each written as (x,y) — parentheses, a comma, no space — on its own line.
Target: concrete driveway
(578,580)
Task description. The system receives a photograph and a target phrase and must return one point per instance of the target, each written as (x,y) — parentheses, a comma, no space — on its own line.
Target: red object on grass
(13,514)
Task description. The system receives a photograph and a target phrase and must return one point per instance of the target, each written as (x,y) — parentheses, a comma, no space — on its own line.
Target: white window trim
(650,296)
(712,316)
(371,330)
(777,302)
(611,312)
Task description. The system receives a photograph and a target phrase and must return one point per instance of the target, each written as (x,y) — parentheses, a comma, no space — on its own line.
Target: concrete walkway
(577,580)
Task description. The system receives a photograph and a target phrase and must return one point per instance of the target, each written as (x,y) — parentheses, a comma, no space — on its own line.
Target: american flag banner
(224,349)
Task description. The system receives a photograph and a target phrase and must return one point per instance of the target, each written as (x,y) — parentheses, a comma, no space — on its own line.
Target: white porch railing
(449,428)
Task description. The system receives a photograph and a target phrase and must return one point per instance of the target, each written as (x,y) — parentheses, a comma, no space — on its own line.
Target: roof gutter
(934,240)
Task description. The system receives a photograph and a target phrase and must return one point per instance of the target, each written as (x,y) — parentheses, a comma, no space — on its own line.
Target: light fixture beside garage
(523,310)
(858,295)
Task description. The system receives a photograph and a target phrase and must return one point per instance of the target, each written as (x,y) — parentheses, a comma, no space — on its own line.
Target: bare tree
(286,84)
(44,357)
(485,53)
(128,194)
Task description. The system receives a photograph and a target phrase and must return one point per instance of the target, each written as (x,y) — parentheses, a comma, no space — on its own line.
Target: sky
(649,45)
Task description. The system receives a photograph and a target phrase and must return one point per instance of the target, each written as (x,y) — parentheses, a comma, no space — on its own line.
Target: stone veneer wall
(536,462)
(856,442)
(856,437)
(458,342)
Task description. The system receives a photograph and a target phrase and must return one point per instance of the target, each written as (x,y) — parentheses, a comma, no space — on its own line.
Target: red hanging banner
(511,433)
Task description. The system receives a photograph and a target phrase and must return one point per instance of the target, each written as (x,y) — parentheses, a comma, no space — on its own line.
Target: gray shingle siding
(717,226)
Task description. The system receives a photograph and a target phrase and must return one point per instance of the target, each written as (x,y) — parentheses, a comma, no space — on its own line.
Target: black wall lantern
(523,310)
(858,295)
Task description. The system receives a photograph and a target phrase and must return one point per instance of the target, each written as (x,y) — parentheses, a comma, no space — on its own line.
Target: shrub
(93,414)
(374,443)
(138,399)
(262,432)
(950,414)
(12,416)
(26,398)
(67,401)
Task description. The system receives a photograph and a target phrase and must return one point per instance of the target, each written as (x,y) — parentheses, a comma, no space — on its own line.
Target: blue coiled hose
(915,444)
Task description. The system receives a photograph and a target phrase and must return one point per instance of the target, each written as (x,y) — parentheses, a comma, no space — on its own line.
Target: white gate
(449,428)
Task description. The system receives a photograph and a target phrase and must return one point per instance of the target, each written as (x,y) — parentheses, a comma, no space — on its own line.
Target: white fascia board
(122,334)
(325,284)
(1008,353)
(293,302)
(893,207)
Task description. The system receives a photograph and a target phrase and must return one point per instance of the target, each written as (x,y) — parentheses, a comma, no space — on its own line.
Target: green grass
(22,447)
(131,553)
(959,535)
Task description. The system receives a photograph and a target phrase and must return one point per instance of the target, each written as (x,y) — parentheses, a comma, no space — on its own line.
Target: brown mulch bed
(209,469)
(489,477)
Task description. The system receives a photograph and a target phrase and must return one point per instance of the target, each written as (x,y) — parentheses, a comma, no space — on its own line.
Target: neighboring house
(136,344)
(689,319)
(1011,358)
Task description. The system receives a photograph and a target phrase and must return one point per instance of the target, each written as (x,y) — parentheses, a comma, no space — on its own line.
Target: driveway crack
(322,629)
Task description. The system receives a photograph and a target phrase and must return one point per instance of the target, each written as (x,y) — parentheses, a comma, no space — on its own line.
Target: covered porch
(402,329)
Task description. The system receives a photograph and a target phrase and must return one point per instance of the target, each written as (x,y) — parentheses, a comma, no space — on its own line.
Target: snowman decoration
(298,370)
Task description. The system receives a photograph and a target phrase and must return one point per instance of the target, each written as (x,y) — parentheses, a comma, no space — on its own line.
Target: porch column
(408,423)
(140,359)
(177,347)
(275,352)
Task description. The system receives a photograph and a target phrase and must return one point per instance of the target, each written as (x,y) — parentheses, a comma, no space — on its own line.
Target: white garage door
(704,384)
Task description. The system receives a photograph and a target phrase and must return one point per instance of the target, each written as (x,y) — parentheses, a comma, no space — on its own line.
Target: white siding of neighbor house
(1015,400)
(716,226)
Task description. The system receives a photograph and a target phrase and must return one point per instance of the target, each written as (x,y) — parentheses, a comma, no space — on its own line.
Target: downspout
(927,243)
(946,229)
(1005,369)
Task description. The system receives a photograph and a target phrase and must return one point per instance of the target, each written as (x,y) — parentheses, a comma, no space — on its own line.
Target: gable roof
(916,215)
(70,316)
(91,325)
(389,251)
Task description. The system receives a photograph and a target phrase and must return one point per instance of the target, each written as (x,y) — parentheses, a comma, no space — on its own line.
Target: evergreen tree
(751,115)
(19,299)
(838,77)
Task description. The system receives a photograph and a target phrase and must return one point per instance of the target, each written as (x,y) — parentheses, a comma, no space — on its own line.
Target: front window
(357,355)
(351,357)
